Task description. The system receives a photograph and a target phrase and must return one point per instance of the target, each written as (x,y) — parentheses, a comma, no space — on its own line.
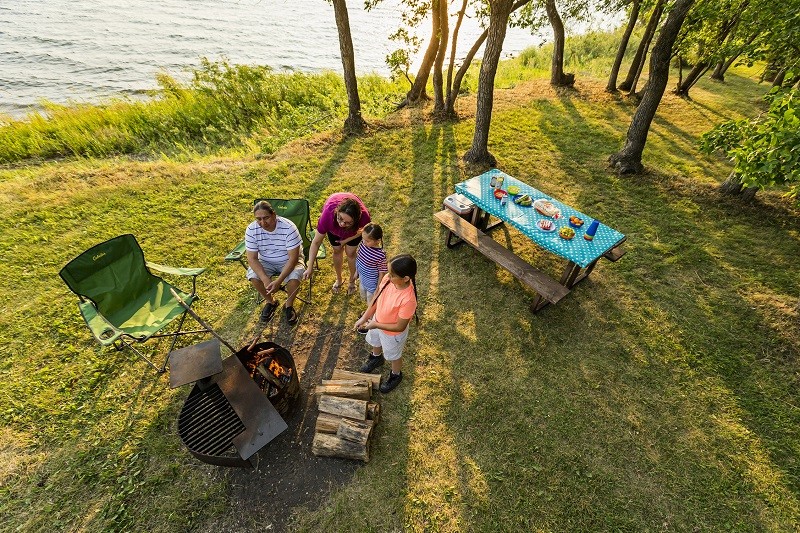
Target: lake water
(84,50)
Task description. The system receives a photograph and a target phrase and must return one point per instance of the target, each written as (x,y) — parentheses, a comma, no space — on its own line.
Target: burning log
(269,376)
(359,390)
(327,445)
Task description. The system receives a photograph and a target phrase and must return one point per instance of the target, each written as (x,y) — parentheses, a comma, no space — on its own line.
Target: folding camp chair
(298,211)
(121,301)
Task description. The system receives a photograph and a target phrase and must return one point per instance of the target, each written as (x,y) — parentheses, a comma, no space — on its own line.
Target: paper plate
(552,226)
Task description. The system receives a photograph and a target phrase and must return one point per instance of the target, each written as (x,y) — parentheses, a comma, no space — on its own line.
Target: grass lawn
(662,394)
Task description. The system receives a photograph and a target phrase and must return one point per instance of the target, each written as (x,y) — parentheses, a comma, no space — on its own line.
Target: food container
(459,204)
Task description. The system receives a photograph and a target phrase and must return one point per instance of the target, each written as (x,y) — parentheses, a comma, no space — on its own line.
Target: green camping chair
(298,211)
(121,301)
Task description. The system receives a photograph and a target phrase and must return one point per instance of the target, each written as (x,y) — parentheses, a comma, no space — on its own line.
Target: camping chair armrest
(237,254)
(177,271)
(105,332)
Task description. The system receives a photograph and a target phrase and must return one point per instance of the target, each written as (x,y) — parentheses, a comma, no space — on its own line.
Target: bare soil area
(287,476)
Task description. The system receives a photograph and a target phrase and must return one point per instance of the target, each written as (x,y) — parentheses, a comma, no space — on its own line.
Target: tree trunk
(778,81)
(462,70)
(724,35)
(629,159)
(417,91)
(638,74)
(733,186)
(557,76)
(623,45)
(498,22)
(438,81)
(354,124)
(723,66)
(700,68)
(641,52)
(450,99)
(719,71)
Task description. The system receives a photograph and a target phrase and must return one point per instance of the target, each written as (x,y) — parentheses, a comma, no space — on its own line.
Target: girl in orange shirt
(386,319)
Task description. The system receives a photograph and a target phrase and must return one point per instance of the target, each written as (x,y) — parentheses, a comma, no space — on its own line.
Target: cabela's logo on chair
(98,256)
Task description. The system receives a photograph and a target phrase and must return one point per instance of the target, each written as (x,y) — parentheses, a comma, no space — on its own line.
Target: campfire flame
(284,374)
(281,372)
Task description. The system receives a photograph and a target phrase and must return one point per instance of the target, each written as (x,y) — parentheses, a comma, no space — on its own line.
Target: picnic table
(581,255)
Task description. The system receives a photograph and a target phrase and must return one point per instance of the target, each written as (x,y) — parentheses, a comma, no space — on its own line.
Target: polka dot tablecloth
(578,250)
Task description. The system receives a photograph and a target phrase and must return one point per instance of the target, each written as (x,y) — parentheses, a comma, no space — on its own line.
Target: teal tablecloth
(578,250)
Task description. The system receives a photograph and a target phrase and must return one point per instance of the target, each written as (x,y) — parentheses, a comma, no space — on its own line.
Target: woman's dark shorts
(334,240)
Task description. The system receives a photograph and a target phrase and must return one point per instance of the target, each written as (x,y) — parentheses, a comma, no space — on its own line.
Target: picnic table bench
(534,278)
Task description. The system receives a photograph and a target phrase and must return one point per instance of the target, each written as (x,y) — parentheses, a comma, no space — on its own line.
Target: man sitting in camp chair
(274,248)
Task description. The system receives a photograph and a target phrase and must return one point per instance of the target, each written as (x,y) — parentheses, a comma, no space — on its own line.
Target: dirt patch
(287,476)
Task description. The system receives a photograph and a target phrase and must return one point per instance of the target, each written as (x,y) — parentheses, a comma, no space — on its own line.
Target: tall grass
(588,54)
(228,107)
(224,106)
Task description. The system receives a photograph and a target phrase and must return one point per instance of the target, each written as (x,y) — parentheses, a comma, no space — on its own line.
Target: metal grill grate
(207,423)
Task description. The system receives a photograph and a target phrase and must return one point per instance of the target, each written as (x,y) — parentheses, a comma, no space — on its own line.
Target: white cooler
(459,204)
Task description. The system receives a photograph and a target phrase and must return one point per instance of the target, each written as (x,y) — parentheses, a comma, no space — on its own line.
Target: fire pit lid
(261,420)
(192,363)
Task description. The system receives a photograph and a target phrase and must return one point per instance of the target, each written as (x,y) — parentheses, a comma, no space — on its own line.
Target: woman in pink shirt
(342,219)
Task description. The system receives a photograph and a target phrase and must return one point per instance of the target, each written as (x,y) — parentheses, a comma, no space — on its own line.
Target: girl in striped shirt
(370,260)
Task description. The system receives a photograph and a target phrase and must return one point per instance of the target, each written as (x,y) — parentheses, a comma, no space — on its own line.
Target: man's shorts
(334,240)
(392,344)
(274,269)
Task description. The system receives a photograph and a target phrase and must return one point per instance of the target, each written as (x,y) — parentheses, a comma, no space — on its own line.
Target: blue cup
(591,230)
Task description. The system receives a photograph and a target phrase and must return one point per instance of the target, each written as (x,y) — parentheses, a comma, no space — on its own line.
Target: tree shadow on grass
(635,412)
(610,411)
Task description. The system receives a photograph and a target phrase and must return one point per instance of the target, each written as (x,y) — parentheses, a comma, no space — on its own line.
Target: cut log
(361,391)
(374,412)
(328,423)
(375,379)
(326,445)
(345,407)
(354,430)
(362,382)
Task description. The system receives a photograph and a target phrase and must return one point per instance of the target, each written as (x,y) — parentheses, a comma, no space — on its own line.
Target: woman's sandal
(336,287)
(351,288)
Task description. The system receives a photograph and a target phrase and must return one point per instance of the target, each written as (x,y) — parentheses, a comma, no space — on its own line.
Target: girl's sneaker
(391,382)
(373,362)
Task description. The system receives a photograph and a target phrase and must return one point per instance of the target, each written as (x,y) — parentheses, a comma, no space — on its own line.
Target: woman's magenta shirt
(327,219)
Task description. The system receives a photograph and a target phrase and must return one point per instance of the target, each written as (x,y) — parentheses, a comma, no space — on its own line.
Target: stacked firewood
(347,415)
